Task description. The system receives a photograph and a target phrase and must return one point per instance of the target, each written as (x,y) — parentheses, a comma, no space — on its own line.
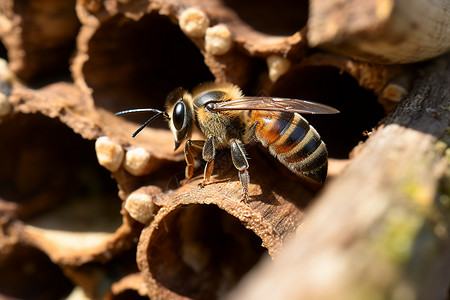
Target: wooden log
(387,32)
(381,228)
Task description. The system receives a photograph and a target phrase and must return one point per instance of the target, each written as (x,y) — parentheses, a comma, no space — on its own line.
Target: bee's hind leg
(240,161)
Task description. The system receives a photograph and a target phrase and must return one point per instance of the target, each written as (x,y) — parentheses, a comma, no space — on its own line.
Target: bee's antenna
(138,110)
(146,123)
(158,113)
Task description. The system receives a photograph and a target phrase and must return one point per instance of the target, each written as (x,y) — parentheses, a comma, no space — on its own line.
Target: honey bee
(228,119)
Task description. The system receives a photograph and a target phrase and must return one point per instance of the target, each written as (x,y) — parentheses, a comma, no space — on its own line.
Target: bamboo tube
(47,198)
(387,32)
(203,240)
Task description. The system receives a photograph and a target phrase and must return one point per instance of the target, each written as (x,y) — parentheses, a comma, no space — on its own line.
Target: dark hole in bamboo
(53,176)
(359,109)
(199,251)
(27,273)
(49,30)
(272,17)
(135,64)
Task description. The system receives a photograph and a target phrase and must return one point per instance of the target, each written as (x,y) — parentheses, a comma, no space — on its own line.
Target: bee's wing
(275,104)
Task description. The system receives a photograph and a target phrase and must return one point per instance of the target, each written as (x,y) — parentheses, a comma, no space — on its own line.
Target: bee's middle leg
(239,157)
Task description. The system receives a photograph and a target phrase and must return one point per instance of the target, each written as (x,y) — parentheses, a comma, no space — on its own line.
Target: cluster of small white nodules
(195,24)
(111,155)
(218,39)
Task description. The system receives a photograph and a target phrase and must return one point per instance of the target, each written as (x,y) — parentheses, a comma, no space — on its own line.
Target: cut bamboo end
(219,254)
(387,32)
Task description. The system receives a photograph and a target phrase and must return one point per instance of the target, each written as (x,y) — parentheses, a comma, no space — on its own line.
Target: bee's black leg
(191,149)
(209,153)
(239,157)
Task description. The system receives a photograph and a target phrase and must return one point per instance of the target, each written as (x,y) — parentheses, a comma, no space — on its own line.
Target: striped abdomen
(295,143)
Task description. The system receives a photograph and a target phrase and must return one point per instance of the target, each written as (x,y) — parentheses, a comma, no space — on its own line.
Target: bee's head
(180,115)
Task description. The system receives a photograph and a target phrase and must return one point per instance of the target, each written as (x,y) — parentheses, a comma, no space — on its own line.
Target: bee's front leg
(191,149)
(239,157)
(209,153)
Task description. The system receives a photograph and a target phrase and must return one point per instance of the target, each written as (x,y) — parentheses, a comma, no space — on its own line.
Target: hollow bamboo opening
(359,109)
(135,64)
(271,17)
(200,251)
(27,273)
(56,187)
(47,33)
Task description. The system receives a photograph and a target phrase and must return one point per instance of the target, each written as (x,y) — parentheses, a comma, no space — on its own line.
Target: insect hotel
(246,207)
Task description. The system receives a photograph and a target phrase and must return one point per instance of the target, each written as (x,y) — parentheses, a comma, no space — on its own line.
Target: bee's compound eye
(178,115)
